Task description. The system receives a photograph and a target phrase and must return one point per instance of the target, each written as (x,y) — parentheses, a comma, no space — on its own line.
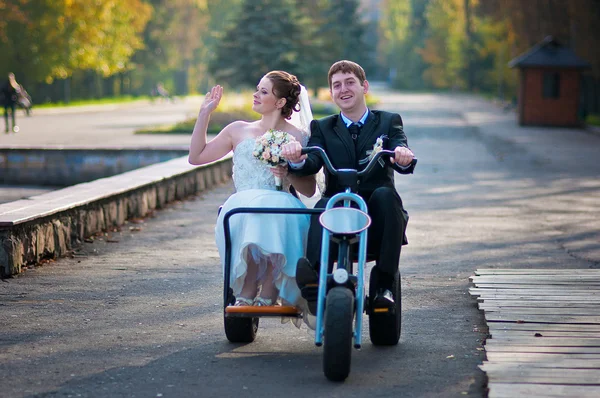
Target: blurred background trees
(62,49)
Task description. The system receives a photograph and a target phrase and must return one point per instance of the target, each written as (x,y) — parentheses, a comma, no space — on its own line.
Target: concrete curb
(52,224)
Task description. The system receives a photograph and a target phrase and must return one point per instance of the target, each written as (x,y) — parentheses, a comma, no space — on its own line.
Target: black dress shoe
(308,282)
(383,301)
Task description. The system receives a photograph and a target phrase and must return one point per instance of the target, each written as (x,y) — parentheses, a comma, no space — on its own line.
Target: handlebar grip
(309,149)
(406,170)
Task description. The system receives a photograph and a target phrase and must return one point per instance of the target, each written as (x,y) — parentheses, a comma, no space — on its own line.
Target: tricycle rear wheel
(241,330)
(385,328)
(337,347)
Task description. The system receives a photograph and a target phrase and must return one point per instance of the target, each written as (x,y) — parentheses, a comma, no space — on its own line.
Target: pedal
(379,311)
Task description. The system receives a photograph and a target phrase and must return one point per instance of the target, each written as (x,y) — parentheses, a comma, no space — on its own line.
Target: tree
(343,31)
(266,35)
(49,39)
(394,26)
(444,47)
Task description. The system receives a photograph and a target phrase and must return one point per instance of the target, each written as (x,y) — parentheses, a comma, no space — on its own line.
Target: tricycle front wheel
(337,347)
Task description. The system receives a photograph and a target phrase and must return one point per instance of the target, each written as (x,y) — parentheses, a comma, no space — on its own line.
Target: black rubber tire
(385,328)
(337,336)
(241,330)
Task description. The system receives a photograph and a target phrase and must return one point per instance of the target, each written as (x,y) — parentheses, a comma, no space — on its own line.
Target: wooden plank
(536,298)
(524,318)
(540,286)
(591,311)
(537,284)
(537,363)
(545,342)
(539,303)
(537,356)
(545,376)
(531,278)
(561,306)
(514,390)
(541,327)
(540,290)
(549,350)
(535,271)
(549,334)
(569,277)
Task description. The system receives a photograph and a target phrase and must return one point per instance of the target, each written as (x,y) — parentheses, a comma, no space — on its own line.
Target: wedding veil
(302,119)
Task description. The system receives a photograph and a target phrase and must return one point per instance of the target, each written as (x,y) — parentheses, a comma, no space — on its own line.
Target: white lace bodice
(249,172)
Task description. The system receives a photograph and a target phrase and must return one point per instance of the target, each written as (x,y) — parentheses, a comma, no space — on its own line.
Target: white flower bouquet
(267,149)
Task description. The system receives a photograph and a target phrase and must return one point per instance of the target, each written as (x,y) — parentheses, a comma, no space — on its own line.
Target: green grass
(99,101)
(593,119)
(235,106)
(218,120)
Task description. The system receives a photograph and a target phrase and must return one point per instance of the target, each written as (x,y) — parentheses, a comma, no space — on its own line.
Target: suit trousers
(385,235)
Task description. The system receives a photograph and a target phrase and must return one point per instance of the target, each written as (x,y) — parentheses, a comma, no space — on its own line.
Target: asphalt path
(105,126)
(137,312)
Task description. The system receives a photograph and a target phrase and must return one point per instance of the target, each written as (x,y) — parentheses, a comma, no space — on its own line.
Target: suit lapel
(368,133)
(344,135)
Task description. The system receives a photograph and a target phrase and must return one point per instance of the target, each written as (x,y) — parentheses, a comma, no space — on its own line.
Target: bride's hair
(286,85)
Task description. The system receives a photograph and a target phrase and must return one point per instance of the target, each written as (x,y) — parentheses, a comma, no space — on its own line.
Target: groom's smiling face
(347,92)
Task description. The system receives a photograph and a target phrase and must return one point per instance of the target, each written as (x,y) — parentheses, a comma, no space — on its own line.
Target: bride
(264,248)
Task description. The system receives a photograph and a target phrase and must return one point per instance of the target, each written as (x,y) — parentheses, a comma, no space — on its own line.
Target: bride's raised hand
(212,99)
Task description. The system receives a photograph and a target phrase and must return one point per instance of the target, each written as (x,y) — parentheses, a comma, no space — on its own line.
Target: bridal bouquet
(268,150)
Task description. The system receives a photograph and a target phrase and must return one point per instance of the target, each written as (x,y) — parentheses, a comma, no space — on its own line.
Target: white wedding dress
(279,239)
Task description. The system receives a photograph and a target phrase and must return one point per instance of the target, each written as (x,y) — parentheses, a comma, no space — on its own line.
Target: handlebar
(319,151)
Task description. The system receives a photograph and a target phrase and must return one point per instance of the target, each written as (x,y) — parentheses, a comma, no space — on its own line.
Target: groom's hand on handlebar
(293,152)
(402,156)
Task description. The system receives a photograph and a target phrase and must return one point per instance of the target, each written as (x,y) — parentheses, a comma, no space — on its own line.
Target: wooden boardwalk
(545,331)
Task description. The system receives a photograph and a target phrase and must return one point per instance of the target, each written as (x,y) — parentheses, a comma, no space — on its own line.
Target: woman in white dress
(264,247)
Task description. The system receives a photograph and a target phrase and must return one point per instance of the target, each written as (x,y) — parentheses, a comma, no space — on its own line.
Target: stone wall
(53,224)
(62,167)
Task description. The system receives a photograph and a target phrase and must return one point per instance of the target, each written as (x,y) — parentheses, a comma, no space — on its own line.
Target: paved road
(109,126)
(137,312)
(102,125)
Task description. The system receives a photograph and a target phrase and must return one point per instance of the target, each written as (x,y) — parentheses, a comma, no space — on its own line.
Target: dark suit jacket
(331,134)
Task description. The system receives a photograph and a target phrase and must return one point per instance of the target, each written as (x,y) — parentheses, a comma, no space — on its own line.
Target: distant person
(161,91)
(9,95)
(24,101)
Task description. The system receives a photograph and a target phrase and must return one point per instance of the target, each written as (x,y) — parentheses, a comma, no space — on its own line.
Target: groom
(348,138)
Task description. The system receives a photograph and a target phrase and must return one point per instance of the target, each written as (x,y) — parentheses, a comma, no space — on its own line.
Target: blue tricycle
(341,292)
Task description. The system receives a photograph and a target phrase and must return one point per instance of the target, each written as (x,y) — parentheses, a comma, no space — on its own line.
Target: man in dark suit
(348,138)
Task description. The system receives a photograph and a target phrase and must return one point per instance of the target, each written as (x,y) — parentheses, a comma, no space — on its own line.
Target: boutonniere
(376,148)
(380,144)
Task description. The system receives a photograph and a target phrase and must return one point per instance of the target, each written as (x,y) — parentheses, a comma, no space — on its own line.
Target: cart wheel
(241,330)
(337,347)
(385,328)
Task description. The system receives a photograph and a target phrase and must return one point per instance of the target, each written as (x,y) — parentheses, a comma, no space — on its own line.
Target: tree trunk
(469,46)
